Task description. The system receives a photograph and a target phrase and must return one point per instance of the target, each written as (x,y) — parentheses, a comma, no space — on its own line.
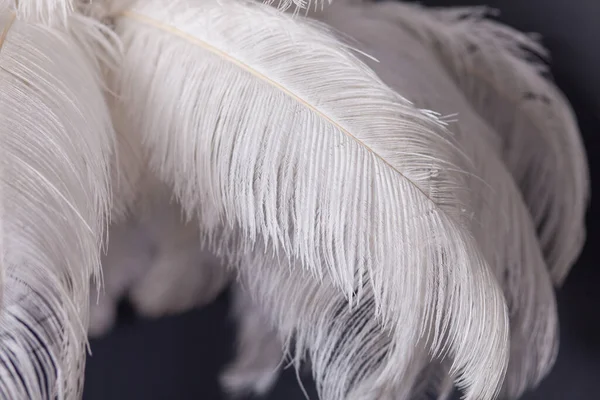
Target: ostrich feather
(503,227)
(322,160)
(56,142)
(538,134)
(259,353)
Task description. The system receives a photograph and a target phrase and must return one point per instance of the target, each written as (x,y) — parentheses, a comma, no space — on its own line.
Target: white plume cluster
(392,189)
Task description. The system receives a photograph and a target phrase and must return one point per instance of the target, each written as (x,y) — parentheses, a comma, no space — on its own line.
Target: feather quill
(261,123)
(537,131)
(56,140)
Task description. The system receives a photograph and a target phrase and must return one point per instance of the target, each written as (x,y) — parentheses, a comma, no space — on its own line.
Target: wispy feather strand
(501,222)
(538,134)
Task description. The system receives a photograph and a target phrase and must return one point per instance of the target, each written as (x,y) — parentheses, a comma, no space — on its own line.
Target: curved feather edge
(353,356)
(501,222)
(325,186)
(56,142)
(539,136)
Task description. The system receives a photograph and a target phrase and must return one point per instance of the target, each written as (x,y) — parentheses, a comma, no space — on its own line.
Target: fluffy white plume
(411,69)
(56,141)
(270,124)
(501,222)
(538,135)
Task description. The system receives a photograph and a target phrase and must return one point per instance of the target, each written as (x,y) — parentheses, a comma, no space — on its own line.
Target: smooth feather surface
(538,135)
(270,124)
(56,140)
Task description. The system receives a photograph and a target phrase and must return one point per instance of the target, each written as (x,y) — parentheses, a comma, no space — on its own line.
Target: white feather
(539,137)
(270,123)
(501,222)
(56,141)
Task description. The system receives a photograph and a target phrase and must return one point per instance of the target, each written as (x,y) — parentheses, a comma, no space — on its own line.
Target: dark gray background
(180,357)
